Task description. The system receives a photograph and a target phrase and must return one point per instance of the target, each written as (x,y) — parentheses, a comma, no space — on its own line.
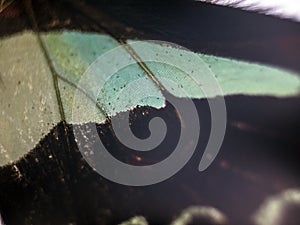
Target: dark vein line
(55,74)
(86,94)
(90,13)
(66,169)
(142,65)
(30,12)
(2,85)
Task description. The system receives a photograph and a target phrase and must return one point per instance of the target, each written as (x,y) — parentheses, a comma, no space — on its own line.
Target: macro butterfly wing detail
(49,65)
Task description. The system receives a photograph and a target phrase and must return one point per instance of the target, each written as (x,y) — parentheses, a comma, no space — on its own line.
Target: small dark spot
(19,82)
